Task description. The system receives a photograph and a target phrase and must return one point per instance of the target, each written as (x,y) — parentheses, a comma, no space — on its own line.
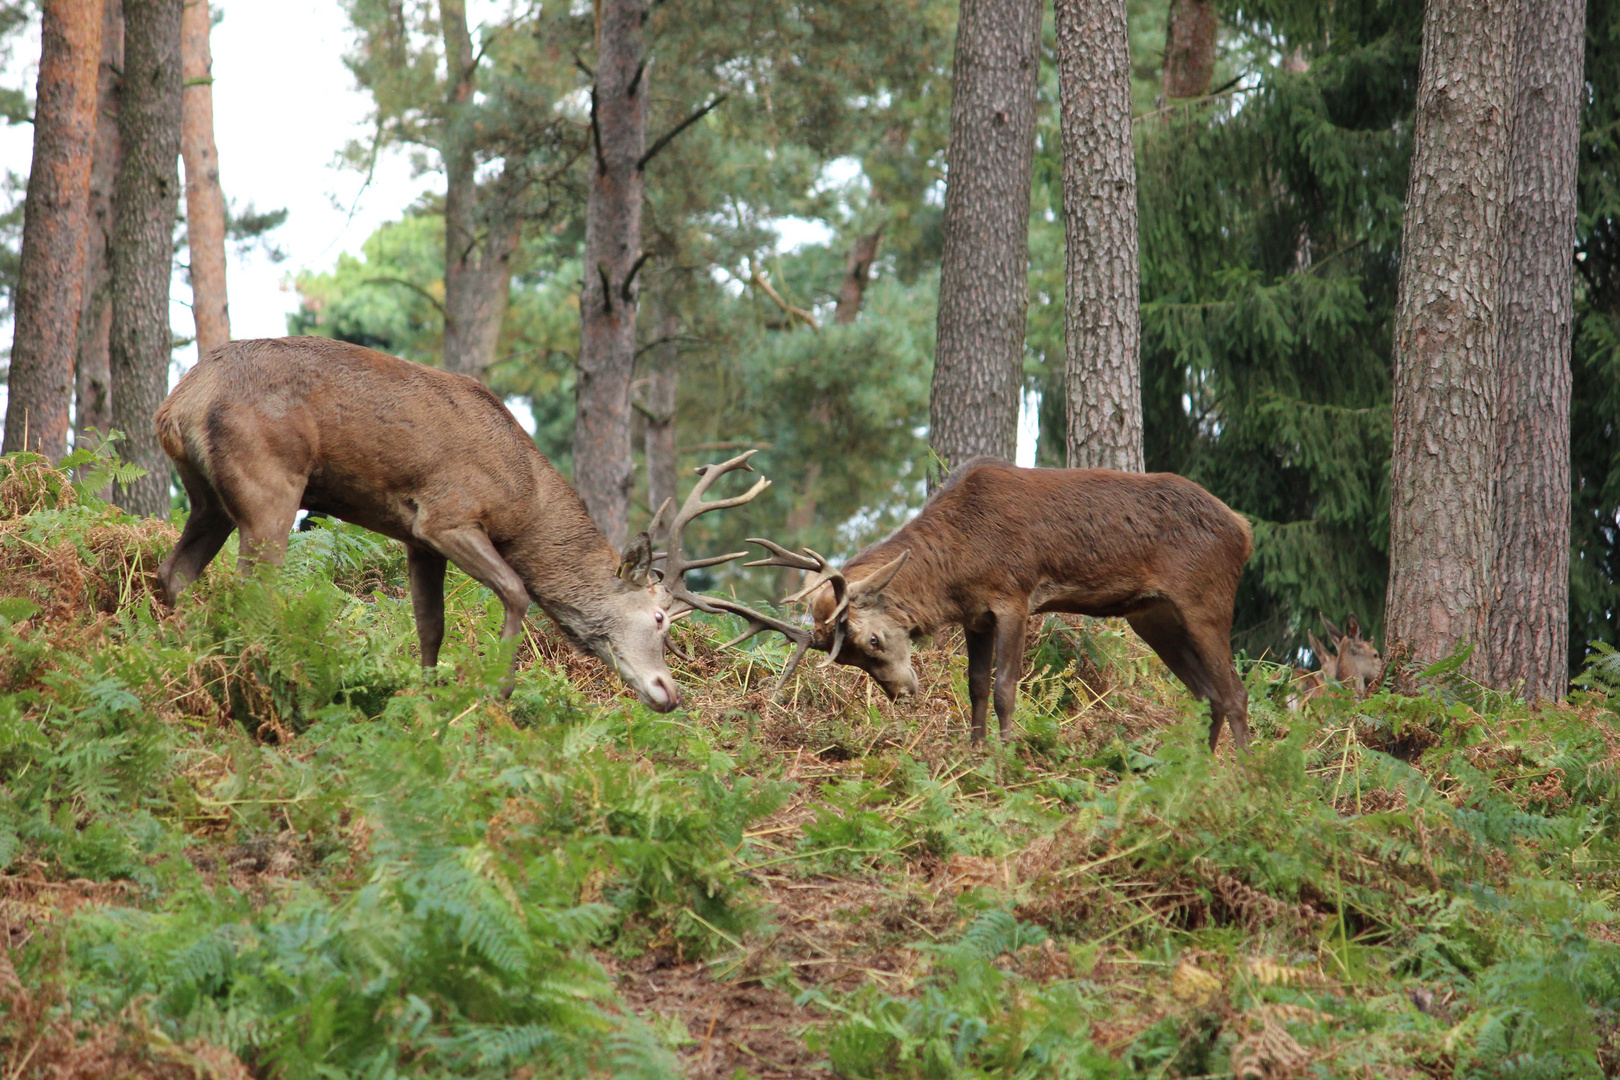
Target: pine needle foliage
(1270,227)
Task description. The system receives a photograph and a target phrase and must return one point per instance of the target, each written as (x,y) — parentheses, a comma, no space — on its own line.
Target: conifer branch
(677,129)
(792,312)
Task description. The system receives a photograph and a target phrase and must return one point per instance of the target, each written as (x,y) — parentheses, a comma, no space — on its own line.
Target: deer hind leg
(262,497)
(207,529)
(1162,628)
(1212,641)
(469,547)
(981,651)
(426,569)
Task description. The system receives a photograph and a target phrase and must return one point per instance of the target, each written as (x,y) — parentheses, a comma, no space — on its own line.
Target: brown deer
(258,429)
(1354,663)
(997,543)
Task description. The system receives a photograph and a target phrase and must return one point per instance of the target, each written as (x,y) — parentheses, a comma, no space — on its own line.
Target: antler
(830,575)
(676,564)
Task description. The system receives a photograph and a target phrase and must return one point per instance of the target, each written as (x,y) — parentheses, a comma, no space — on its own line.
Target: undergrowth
(249,838)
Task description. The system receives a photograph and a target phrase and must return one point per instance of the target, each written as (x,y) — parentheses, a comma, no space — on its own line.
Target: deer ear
(636,565)
(1333,631)
(1352,626)
(869,587)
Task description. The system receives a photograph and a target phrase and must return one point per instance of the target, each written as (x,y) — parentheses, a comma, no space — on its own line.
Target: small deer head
(1356,662)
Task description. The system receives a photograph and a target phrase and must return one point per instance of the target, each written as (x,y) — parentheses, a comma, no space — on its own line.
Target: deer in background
(1354,662)
(997,543)
(258,429)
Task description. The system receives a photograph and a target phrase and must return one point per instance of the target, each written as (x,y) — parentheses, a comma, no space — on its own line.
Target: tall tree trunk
(1102,320)
(662,374)
(1446,334)
(1529,624)
(480,228)
(857,274)
(205,202)
(147,193)
(51,275)
(984,271)
(603,463)
(1189,49)
(92,372)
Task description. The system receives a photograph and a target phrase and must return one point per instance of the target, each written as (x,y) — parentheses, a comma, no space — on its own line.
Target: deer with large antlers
(258,429)
(996,544)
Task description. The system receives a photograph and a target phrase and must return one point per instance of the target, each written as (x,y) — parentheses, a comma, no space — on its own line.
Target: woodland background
(1270,226)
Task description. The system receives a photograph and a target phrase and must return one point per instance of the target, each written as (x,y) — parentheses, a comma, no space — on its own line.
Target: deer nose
(662,695)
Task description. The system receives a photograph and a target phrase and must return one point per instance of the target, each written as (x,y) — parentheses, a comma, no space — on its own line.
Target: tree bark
(603,461)
(1189,49)
(147,193)
(480,230)
(984,270)
(1446,336)
(92,371)
(205,202)
(51,273)
(1102,319)
(857,275)
(658,408)
(1529,624)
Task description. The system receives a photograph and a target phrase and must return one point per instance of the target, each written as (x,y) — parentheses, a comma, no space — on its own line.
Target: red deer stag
(996,544)
(259,429)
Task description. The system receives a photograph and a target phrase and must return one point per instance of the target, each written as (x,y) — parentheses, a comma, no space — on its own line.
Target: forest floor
(247,838)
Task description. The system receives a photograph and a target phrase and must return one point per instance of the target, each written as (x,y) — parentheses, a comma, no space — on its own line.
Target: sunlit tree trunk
(1529,624)
(51,274)
(1446,334)
(205,202)
(1102,323)
(984,270)
(147,194)
(92,375)
(603,461)
(480,228)
(1189,48)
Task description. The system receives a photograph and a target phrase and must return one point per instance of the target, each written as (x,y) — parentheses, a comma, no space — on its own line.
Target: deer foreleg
(1010,626)
(981,650)
(426,569)
(469,547)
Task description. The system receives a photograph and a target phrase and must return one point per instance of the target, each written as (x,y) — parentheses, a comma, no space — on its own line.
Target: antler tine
(675,562)
(676,565)
(812,561)
(781,556)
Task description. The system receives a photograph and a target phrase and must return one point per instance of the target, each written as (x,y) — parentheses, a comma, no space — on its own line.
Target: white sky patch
(524,412)
(793,233)
(1029,427)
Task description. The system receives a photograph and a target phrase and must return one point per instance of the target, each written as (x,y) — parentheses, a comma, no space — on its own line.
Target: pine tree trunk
(480,232)
(51,274)
(603,461)
(92,371)
(984,271)
(205,202)
(1102,323)
(1446,335)
(662,376)
(147,194)
(1529,624)
(857,274)
(1189,49)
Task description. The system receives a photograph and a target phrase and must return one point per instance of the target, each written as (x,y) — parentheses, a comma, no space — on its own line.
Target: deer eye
(658,619)
(873,643)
